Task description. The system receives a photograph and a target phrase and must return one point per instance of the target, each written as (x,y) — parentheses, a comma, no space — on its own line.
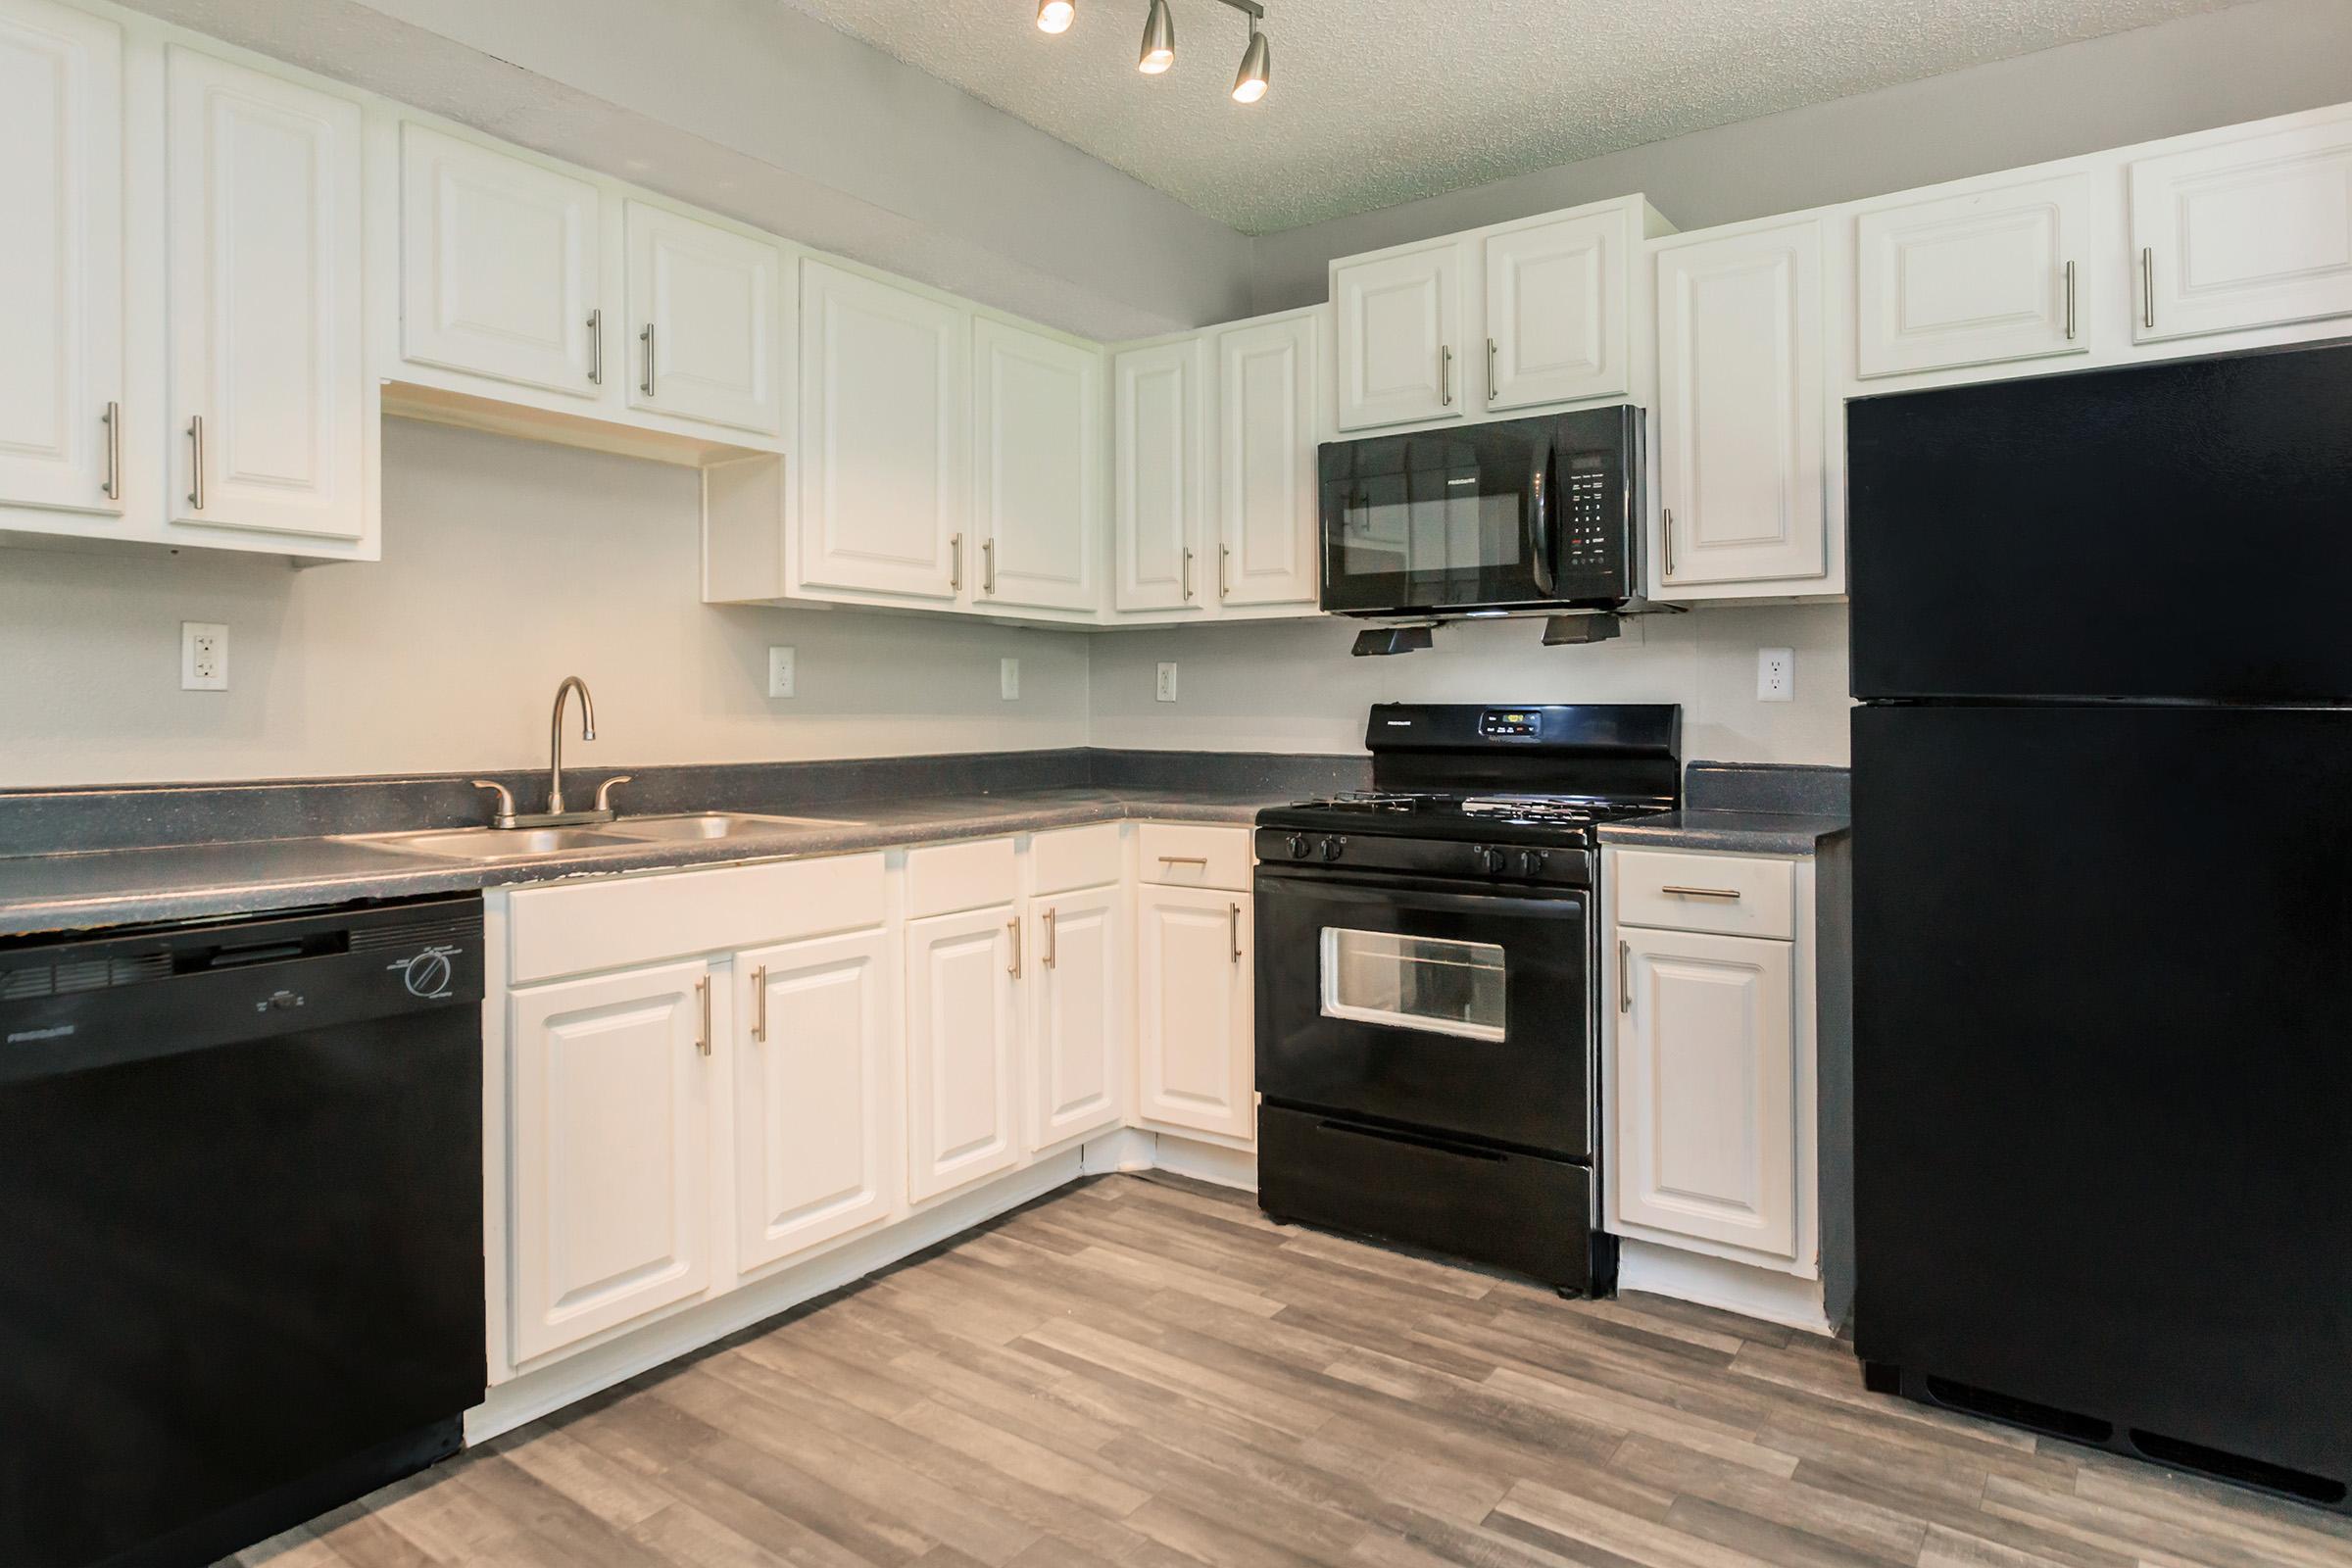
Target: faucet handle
(506,801)
(604,791)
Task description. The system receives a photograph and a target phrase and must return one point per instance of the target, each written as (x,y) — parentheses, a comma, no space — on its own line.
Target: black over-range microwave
(1517,516)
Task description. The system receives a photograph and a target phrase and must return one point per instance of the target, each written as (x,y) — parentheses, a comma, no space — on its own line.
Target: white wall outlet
(203,657)
(1166,692)
(779,671)
(1009,677)
(1775,675)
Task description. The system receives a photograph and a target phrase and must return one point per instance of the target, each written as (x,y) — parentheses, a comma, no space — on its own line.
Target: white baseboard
(1207,1162)
(1757,1293)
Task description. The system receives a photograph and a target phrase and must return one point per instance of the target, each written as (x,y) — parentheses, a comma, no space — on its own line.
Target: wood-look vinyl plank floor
(1142,1371)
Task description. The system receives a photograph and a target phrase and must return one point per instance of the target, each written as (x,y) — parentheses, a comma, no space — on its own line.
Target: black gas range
(1428,1018)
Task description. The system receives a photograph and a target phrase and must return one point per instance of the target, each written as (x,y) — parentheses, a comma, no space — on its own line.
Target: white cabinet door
(1157,419)
(609,1095)
(1267,427)
(269,390)
(885,423)
(704,303)
(1557,310)
(2252,232)
(1399,327)
(1706,1086)
(812,1038)
(498,266)
(61,258)
(1197,1056)
(1080,1015)
(962,1050)
(1037,419)
(1975,279)
(1741,395)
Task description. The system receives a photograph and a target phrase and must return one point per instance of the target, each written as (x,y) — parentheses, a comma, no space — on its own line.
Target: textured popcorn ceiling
(1376,102)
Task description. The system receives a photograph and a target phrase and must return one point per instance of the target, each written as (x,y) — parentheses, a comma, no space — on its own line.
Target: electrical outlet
(1009,677)
(203,657)
(1167,682)
(1775,675)
(779,671)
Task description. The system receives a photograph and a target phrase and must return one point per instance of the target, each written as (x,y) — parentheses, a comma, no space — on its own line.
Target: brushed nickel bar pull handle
(2070,302)
(760,1003)
(1624,975)
(196,483)
(1188,574)
(1224,560)
(1491,388)
(596,347)
(1201,861)
(1445,377)
(1233,927)
(955,565)
(1703,892)
(988,566)
(111,418)
(1013,928)
(702,995)
(2147,287)
(1669,541)
(1053,943)
(647,338)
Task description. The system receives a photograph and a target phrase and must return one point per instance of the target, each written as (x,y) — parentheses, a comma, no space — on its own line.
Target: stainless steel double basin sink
(492,845)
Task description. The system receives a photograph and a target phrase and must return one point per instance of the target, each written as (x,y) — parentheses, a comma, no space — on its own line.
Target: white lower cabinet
(1196,1050)
(1078,1016)
(812,1132)
(610,1097)
(962,1048)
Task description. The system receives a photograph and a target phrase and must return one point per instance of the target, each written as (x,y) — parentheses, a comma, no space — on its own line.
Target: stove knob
(1332,848)
(1531,862)
(1298,846)
(1492,861)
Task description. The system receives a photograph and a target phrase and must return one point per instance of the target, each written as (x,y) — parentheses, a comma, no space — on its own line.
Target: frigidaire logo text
(57,1030)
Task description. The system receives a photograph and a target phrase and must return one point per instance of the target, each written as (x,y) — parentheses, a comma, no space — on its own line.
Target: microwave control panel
(1586,540)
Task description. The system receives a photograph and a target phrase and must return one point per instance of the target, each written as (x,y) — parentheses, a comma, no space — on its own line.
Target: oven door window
(1433,984)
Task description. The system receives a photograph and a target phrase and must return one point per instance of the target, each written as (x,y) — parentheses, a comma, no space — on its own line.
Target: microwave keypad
(1585,536)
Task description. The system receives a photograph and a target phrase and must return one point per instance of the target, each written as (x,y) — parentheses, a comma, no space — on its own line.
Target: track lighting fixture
(1159,52)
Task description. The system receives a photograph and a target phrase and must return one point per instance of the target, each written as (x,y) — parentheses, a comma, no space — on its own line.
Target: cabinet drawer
(1073,857)
(1187,857)
(947,878)
(1736,895)
(642,919)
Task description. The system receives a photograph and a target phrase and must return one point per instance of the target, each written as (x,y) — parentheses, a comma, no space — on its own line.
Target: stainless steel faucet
(555,815)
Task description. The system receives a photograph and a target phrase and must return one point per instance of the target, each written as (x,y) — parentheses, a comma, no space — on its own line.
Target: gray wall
(2252,61)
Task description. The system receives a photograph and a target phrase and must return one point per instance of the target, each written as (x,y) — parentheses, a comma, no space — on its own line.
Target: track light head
(1257,68)
(1055,16)
(1159,41)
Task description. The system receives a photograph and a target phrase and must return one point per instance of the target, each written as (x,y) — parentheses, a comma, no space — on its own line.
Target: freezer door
(2169,530)
(2103,1064)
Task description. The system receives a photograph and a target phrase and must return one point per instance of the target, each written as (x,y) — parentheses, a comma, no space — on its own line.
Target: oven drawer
(1736,895)
(1531,1215)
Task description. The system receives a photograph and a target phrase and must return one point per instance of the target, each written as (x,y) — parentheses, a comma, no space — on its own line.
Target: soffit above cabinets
(1376,102)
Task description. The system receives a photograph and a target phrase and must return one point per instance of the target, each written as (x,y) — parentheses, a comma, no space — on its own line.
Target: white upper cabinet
(704,307)
(1082,1015)
(963,1109)
(1399,335)
(1977,279)
(1740,394)
(1268,419)
(1158,415)
(269,375)
(1196,1051)
(498,266)
(1556,310)
(1037,419)
(61,258)
(813,1039)
(885,431)
(2253,231)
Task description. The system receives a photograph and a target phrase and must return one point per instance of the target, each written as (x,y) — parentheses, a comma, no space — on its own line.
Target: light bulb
(1055,16)
(1159,41)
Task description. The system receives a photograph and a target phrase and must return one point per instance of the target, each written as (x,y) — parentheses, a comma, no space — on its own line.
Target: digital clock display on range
(1511,725)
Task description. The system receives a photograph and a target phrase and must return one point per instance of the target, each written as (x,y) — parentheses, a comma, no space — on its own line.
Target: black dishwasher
(240,1225)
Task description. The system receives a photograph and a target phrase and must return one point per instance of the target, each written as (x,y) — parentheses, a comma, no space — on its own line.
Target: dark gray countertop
(1732,832)
(69,892)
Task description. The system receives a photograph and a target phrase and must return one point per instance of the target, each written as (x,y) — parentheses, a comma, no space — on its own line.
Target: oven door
(1444,519)
(1428,1004)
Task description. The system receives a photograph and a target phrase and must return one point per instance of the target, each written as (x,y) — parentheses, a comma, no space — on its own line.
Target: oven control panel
(1511,723)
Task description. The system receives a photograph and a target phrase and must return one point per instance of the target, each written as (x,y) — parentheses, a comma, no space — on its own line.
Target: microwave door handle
(1538,519)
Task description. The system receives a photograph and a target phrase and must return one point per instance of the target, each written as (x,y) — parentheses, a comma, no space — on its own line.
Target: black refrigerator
(2102,860)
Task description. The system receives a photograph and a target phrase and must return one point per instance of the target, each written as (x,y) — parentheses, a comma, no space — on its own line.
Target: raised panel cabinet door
(1266,485)
(1975,279)
(1158,411)
(61,258)
(1706,1086)
(962,1048)
(1195,1057)
(1399,336)
(499,268)
(1556,302)
(703,304)
(1081,1016)
(885,424)
(269,375)
(609,1089)
(1037,460)
(814,1032)
(2251,232)
(1740,409)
